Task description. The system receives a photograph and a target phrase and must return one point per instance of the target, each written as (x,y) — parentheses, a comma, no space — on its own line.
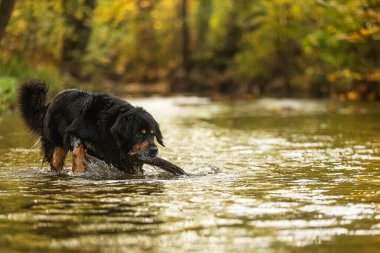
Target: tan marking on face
(143,131)
(139,147)
(79,155)
(151,132)
(59,155)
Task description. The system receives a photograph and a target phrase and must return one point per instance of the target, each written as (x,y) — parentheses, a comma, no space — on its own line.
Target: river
(267,176)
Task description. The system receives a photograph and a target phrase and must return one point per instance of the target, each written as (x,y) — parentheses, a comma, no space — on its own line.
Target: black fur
(110,128)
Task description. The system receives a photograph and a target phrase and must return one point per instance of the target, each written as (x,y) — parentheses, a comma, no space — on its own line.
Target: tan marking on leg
(139,147)
(79,155)
(59,155)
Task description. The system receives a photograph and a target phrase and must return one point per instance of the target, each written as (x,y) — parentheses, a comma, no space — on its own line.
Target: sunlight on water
(267,176)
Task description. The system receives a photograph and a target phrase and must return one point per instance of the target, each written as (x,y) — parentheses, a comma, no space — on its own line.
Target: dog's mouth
(138,168)
(144,149)
(132,166)
(144,153)
(135,166)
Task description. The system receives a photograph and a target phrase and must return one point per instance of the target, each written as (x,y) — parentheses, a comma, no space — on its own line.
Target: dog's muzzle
(152,151)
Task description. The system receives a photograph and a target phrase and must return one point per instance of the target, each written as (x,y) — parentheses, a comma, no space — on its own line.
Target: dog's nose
(153,150)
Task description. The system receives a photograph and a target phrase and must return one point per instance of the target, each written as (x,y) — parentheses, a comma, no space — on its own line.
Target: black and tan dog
(101,125)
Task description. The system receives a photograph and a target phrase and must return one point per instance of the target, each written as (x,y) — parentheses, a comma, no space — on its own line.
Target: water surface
(268,176)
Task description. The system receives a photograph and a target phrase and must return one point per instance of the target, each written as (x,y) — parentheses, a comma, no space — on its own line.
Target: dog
(100,125)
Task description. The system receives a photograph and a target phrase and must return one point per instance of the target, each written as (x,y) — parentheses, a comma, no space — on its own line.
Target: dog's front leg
(79,155)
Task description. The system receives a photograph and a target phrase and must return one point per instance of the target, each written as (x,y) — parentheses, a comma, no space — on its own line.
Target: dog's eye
(138,134)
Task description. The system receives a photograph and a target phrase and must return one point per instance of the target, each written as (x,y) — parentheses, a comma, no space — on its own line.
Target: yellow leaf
(331,77)
(346,73)
(352,96)
(369,31)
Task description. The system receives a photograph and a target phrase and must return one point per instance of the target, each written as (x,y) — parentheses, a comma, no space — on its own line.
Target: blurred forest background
(217,48)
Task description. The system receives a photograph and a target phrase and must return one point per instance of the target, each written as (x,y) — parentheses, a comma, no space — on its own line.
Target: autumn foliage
(317,48)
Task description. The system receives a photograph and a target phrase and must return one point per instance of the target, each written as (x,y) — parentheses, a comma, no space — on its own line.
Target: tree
(77,33)
(185,38)
(6,8)
(344,48)
(145,59)
(270,56)
(203,18)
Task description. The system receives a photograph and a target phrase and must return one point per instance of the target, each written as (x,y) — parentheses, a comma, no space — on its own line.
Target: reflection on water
(270,176)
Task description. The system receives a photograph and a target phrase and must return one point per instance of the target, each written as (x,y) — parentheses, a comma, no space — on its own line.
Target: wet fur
(104,125)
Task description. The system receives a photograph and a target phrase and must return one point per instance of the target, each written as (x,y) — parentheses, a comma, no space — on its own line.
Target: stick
(161,163)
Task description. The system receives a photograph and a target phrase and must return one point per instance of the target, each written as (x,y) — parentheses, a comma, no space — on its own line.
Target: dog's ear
(158,134)
(115,130)
(122,129)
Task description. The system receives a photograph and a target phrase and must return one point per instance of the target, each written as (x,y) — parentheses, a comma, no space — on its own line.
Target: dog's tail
(32,103)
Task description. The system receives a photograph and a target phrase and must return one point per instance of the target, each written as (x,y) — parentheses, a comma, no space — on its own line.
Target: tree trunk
(185,39)
(232,36)
(145,61)
(6,8)
(203,18)
(76,36)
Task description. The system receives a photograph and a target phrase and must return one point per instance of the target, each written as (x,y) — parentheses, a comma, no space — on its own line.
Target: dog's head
(135,131)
